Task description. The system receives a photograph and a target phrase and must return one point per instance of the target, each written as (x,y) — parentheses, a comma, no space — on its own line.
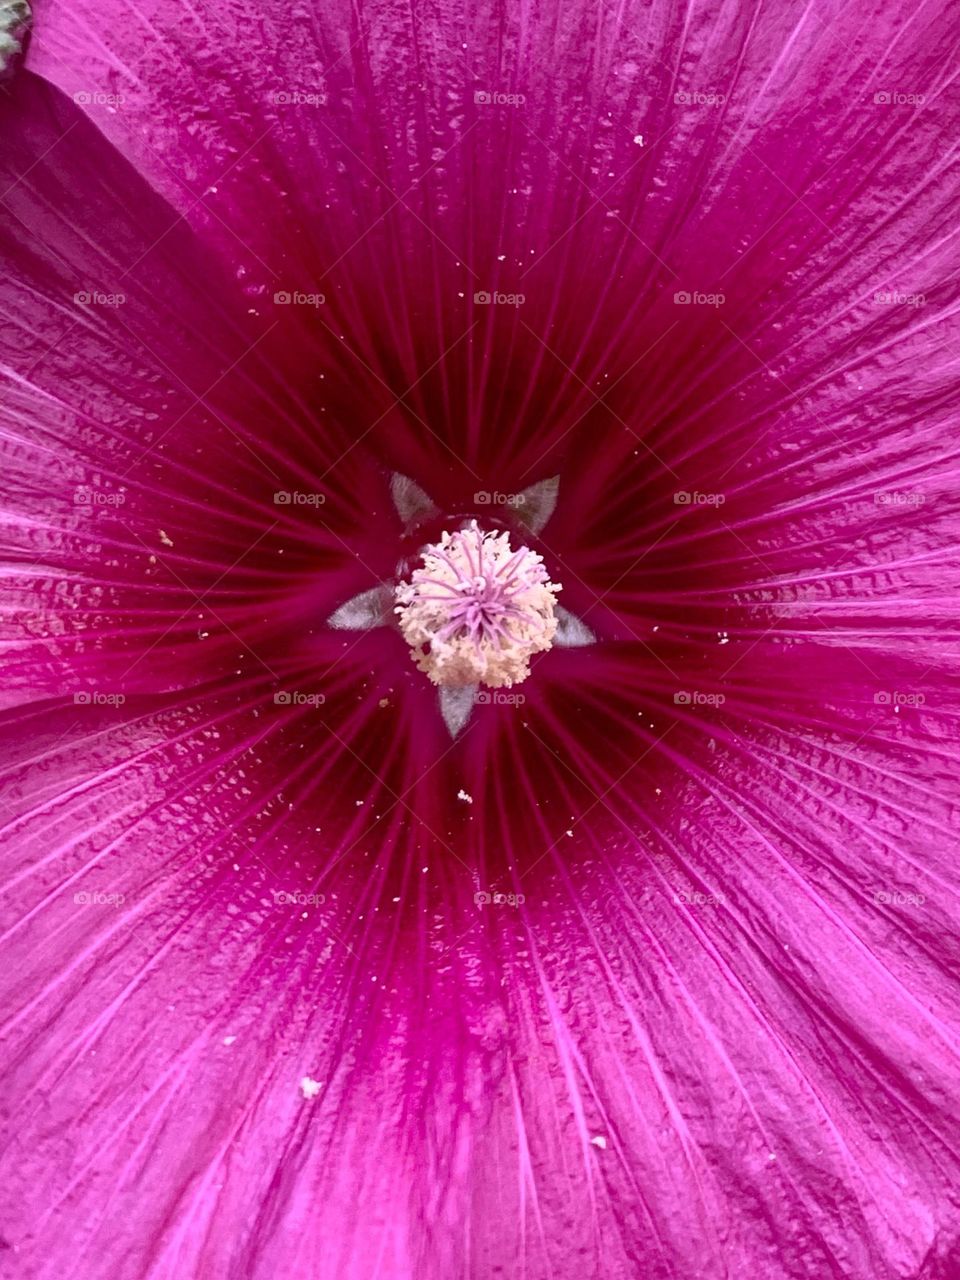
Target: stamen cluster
(477,610)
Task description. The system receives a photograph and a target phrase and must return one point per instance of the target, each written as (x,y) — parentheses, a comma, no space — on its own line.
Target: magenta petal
(150,433)
(165,1019)
(742,1046)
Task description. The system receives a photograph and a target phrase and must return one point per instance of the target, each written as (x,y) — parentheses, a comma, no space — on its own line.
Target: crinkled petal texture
(668,990)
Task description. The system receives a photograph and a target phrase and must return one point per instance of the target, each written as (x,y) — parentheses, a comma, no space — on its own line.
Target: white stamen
(477,610)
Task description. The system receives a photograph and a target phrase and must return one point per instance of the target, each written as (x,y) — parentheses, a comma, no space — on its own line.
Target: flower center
(476,610)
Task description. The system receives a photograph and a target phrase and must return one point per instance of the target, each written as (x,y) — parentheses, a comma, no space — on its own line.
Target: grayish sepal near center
(412,504)
(539,503)
(373,608)
(456,706)
(571,632)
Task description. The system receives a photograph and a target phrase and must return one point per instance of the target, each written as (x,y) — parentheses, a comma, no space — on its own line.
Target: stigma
(476,610)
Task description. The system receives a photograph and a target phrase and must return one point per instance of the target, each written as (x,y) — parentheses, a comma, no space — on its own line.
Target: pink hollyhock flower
(620,939)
